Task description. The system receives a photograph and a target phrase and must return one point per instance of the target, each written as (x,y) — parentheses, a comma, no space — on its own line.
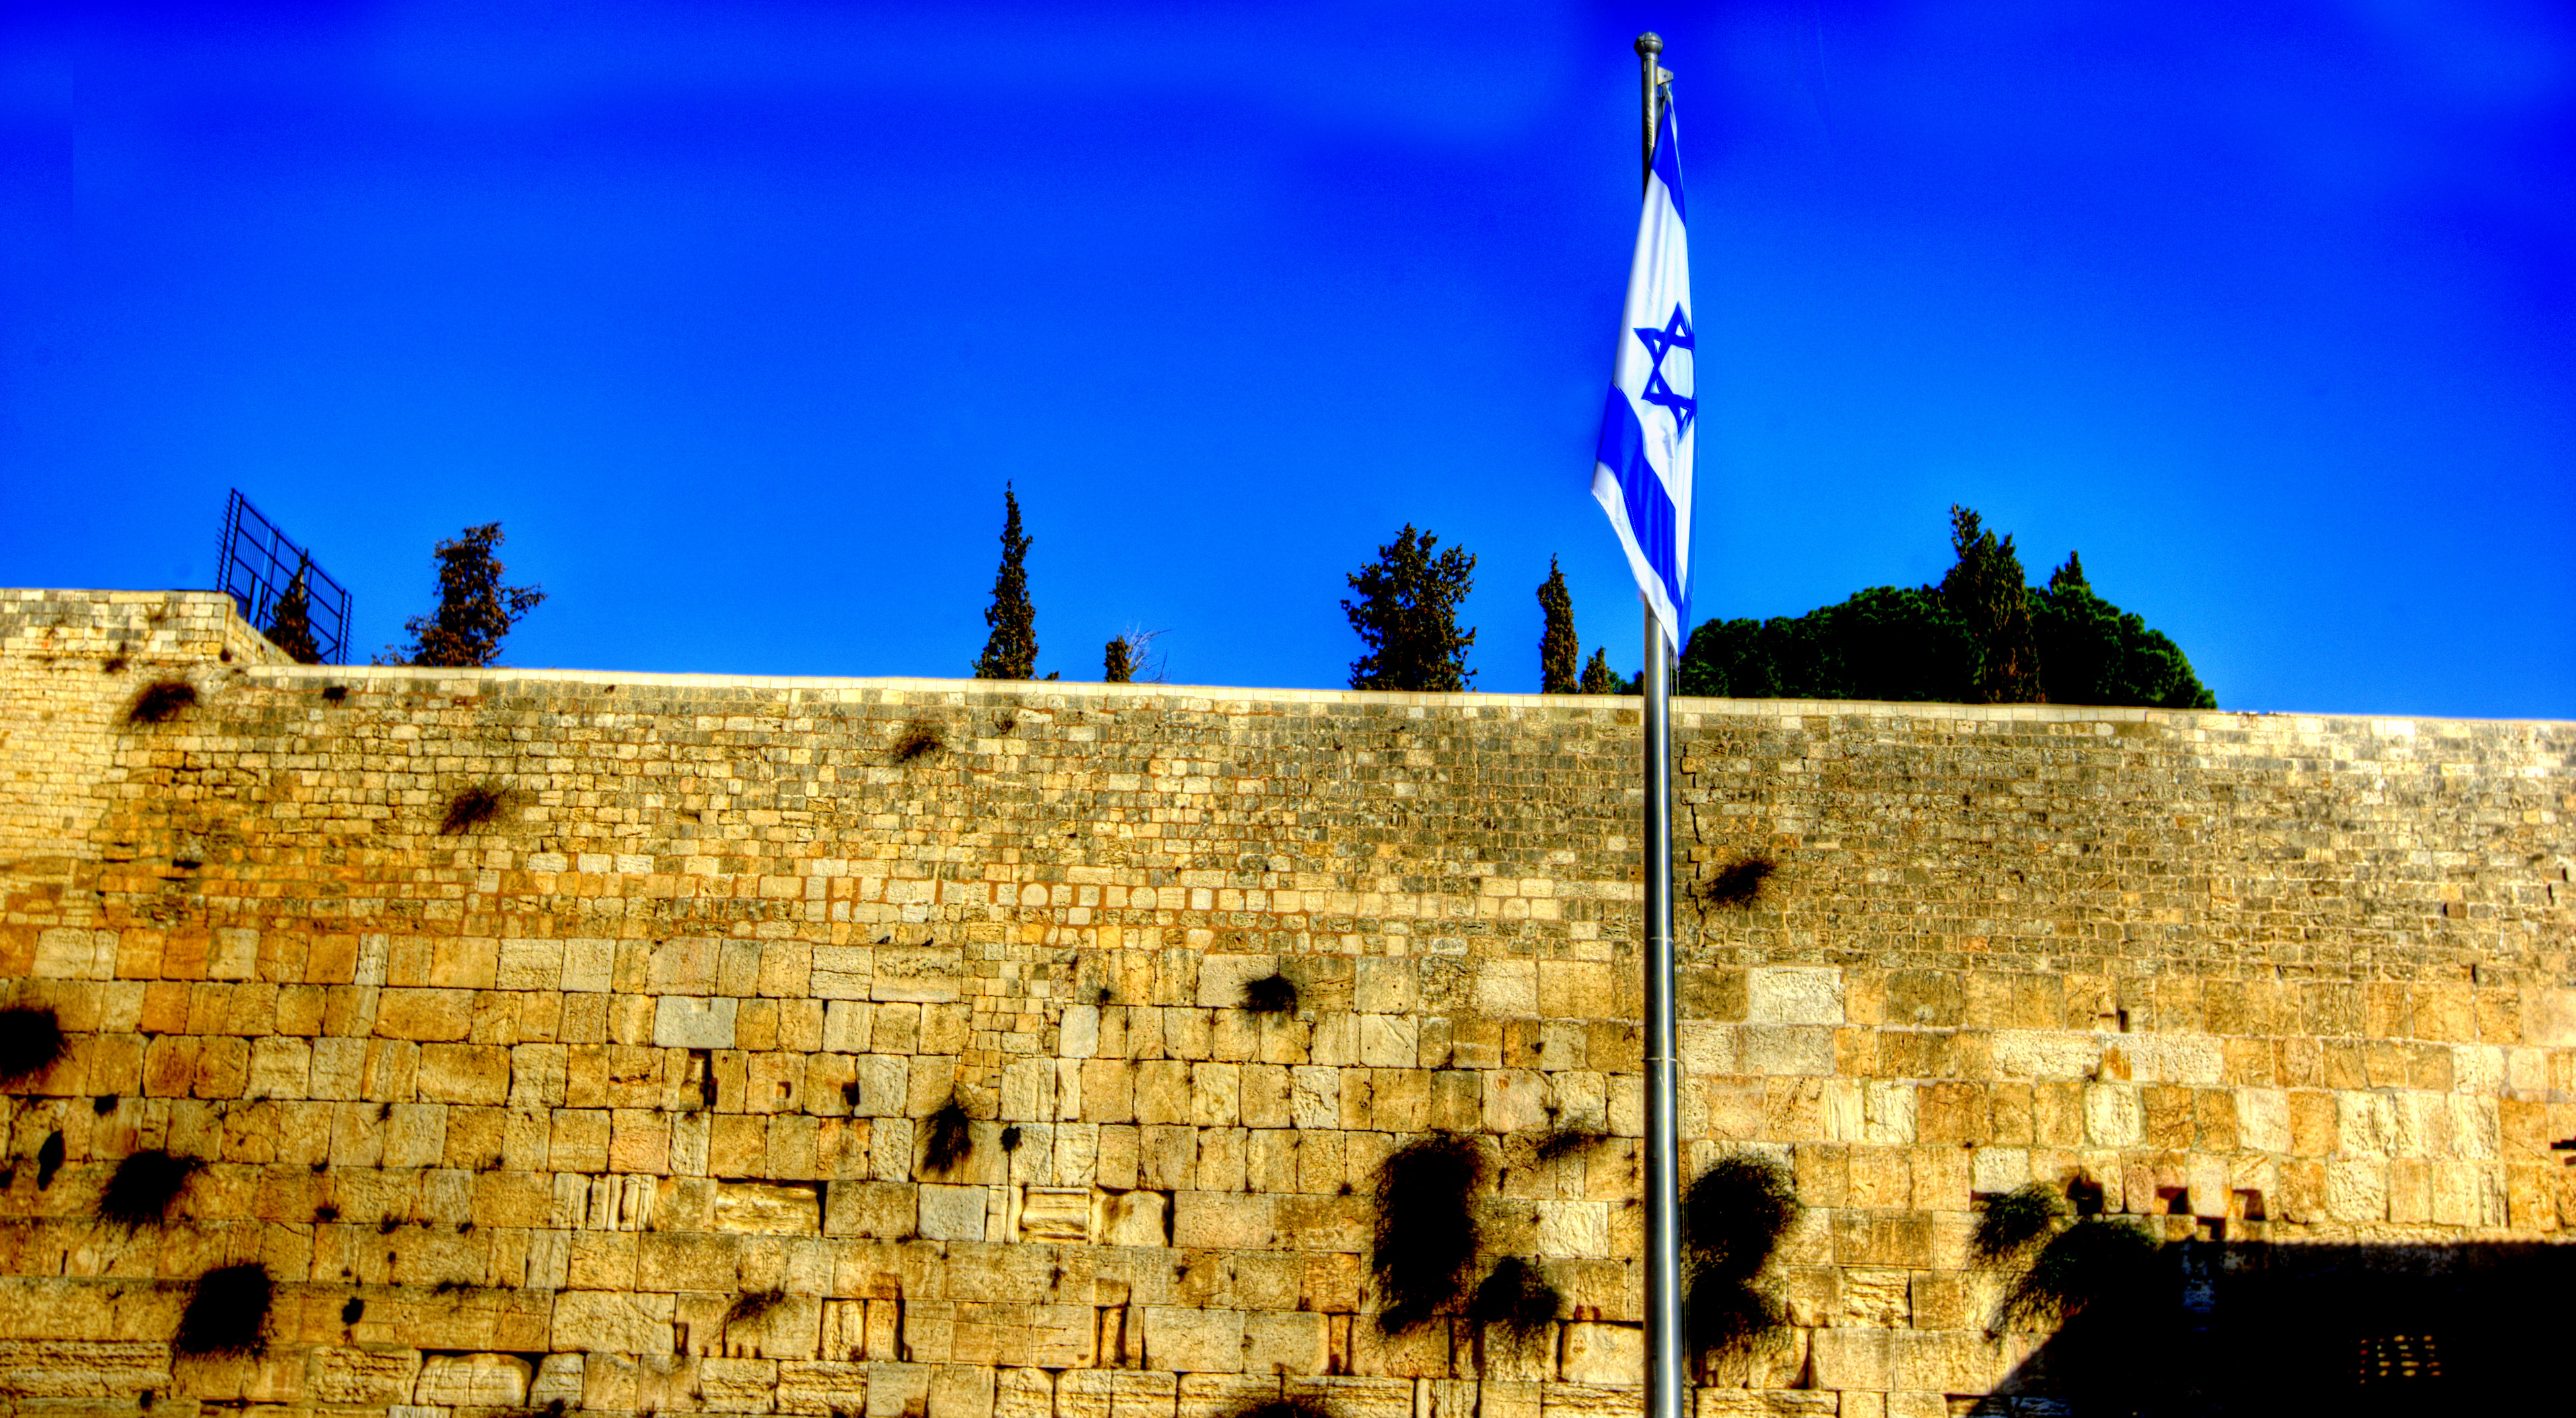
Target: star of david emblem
(1676,335)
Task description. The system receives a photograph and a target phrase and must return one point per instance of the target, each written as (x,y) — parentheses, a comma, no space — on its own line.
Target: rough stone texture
(549,1095)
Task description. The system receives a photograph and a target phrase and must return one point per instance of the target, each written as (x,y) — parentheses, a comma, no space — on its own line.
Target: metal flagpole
(1664,1387)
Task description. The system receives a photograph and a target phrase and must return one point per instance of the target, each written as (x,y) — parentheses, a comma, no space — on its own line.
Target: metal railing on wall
(259,570)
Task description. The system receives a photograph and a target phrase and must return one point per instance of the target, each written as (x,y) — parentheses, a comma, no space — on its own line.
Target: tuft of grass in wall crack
(1733,1219)
(49,1159)
(144,1187)
(2097,1261)
(1740,882)
(1516,1297)
(2016,1220)
(1299,1407)
(1273,993)
(946,1138)
(1427,1231)
(31,1041)
(752,1306)
(474,805)
(919,739)
(1567,1140)
(160,701)
(227,1312)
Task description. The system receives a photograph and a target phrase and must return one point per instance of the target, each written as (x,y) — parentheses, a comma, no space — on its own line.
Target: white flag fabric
(1642,472)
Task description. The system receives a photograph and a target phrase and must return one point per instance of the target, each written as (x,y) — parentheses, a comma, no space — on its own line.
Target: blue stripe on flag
(1650,509)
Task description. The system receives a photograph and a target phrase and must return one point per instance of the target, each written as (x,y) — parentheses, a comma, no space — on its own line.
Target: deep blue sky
(738,317)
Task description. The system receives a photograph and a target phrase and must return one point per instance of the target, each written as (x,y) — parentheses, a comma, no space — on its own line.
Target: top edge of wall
(962,691)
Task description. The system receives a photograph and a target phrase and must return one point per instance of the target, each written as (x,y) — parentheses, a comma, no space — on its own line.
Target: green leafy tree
(1558,652)
(2097,653)
(1599,678)
(475,611)
(1011,647)
(1407,616)
(1986,590)
(1918,644)
(290,622)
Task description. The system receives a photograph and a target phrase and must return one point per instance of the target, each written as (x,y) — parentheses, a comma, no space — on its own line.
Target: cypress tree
(1985,590)
(290,622)
(475,611)
(1407,616)
(1011,650)
(1599,678)
(1558,653)
(1117,665)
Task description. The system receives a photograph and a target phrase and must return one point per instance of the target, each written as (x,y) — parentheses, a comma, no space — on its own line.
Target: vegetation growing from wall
(475,611)
(1427,1233)
(1407,616)
(1273,993)
(474,805)
(227,1312)
(2098,1261)
(1739,882)
(31,1041)
(1515,1296)
(1969,640)
(144,1187)
(947,1137)
(1733,1219)
(2016,1220)
(161,701)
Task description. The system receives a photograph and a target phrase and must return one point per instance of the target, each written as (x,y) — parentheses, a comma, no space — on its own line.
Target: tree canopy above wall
(1958,642)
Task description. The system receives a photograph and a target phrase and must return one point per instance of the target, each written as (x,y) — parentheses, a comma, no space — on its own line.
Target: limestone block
(425,1015)
(1786,1049)
(1112,1393)
(1055,1213)
(1386,986)
(1222,978)
(1507,987)
(919,974)
(1285,1343)
(1225,1395)
(1604,1354)
(1224,1221)
(1390,1041)
(1078,1035)
(1851,1358)
(694,1022)
(1193,1341)
(558,1379)
(1348,1397)
(1793,994)
(1515,1100)
(2175,1058)
(768,1208)
(473,1380)
(1590,1401)
(2053,1054)
(1133,1218)
(2113,1115)
(830,1387)
(617,1323)
(463,1073)
(898,1390)
(110,1373)
(952,1213)
(1707,1048)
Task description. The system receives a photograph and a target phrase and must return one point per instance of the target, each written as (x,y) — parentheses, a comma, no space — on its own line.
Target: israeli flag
(1643,474)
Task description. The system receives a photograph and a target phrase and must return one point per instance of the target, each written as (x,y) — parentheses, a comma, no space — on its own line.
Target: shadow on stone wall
(2238,1328)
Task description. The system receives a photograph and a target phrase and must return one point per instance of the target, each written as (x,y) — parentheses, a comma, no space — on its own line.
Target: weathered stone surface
(630,1082)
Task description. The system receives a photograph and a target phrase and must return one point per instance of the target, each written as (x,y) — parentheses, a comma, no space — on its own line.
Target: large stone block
(694,1022)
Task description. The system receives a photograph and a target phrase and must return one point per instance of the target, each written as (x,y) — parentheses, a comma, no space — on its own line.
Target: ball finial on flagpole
(1649,45)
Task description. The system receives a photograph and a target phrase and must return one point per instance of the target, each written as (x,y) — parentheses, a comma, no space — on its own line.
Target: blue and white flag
(1643,474)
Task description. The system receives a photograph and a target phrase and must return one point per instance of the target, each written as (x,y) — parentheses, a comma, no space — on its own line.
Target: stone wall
(619,1098)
